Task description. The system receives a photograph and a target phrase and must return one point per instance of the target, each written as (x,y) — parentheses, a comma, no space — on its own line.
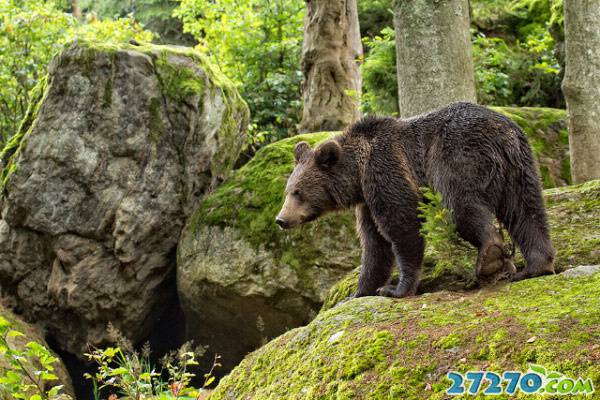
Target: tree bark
(433,53)
(76,9)
(330,51)
(581,86)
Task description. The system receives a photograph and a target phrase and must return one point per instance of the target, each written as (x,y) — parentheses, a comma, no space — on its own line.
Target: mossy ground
(573,211)
(380,348)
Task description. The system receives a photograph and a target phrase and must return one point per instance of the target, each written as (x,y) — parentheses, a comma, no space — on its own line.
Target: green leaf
(14,333)
(538,368)
(55,390)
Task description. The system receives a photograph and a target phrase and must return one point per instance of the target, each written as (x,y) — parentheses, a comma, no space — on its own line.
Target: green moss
(360,347)
(251,198)
(13,147)
(107,97)
(157,127)
(177,82)
(573,211)
(235,119)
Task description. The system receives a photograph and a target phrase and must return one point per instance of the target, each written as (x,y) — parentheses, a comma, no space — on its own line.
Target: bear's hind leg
(474,224)
(529,230)
(377,256)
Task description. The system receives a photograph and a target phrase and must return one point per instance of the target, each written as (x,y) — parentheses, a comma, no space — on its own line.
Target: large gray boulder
(117,148)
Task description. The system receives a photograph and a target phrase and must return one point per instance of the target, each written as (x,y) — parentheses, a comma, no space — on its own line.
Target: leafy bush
(380,82)
(256,43)
(515,53)
(31,33)
(125,371)
(30,373)
(374,16)
(437,226)
(155,15)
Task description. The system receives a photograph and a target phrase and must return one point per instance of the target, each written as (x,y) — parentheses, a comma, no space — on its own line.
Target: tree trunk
(433,52)
(581,86)
(76,9)
(331,48)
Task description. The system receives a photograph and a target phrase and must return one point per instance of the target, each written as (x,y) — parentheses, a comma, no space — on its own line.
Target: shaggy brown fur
(479,160)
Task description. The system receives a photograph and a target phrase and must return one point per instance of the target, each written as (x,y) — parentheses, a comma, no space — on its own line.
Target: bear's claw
(393,291)
(547,269)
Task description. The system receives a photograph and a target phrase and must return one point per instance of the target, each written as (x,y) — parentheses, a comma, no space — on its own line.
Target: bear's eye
(296,193)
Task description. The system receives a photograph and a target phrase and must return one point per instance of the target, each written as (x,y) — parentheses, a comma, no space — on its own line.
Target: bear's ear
(327,154)
(300,151)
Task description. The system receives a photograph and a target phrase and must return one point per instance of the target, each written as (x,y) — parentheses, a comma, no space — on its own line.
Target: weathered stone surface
(381,348)
(32,333)
(110,161)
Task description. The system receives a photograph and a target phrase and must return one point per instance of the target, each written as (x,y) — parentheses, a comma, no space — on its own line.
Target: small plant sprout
(131,374)
(30,372)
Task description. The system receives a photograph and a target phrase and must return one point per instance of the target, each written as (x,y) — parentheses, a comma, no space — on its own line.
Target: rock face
(241,280)
(381,348)
(111,159)
(573,213)
(19,343)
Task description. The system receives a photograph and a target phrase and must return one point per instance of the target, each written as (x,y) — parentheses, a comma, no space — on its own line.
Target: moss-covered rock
(574,215)
(31,333)
(381,348)
(242,280)
(118,146)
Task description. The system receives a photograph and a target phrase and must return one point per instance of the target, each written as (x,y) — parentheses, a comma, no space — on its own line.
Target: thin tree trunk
(581,86)
(76,9)
(331,48)
(433,52)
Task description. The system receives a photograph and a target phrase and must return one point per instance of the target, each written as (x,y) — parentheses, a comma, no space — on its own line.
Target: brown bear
(478,159)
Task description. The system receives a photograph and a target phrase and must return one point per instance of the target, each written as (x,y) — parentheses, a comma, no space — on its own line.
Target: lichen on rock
(115,152)
(381,348)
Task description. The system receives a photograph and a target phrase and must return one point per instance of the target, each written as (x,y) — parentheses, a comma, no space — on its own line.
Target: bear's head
(310,189)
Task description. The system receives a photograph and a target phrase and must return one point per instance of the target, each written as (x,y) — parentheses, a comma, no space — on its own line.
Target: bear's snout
(283,224)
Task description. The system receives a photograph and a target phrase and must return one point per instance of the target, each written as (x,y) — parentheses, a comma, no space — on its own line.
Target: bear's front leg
(377,255)
(410,257)
(392,200)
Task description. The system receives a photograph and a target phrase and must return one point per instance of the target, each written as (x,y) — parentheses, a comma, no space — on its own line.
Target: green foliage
(374,16)
(30,373)
(514,52)
(437,226)
(31,33)
(155,15)
(380,82)
(257,44)
(130,373)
